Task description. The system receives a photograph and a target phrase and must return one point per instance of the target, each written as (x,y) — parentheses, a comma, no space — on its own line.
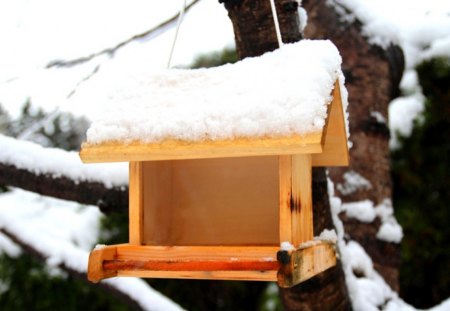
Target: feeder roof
(279,99)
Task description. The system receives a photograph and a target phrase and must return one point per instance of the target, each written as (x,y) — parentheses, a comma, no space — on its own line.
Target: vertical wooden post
(296,224)
(136,200)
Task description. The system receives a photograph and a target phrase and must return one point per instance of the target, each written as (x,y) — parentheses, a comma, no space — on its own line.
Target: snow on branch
(146,35)
(61,233)
(58,173)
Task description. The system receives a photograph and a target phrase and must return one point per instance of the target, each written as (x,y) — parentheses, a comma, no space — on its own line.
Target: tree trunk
(372,77)
(255,34)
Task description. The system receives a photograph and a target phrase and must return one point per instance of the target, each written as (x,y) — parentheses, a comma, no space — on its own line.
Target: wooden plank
(158,195)
(296,224)
(301,203)
(256,263)
(198,265)
(221,263)
(267,276)
(186,253)
(96,272)
(177,150)
(285,177)
(226,201)
(136,203)
(335,148)
(302,264)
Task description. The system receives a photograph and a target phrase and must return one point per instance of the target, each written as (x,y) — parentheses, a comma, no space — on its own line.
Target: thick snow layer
(281,93)
(59,163)
(64,232)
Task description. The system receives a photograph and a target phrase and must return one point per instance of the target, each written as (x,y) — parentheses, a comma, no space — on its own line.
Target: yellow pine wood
(305,263)
(177,150)
(296,225)
(135,203)
(301,209)
(225,201)
(136,252)
(335,148)
(95,265)
(268,276)
(285,186)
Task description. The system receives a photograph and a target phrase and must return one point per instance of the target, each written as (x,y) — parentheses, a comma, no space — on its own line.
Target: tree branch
(149,34)
(58,173)
(93,193)
(77,274)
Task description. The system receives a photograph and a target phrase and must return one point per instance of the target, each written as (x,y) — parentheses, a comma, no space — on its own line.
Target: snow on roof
(281,93)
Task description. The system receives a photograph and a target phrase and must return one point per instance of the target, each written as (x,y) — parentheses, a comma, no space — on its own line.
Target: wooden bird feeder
(220,209)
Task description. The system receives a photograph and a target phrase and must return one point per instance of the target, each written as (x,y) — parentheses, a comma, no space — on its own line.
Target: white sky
(34,33)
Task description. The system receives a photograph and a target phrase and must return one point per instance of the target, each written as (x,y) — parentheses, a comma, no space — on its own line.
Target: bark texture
(255,34)
(372,77)
(94,193)
(253,25)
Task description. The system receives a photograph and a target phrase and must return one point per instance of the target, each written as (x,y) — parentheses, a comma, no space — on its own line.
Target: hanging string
(180,19)
(275,21)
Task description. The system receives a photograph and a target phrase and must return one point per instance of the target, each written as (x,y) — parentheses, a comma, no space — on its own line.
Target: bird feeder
(231,207)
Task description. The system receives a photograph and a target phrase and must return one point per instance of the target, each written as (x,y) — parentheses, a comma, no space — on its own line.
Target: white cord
(275,21)
(180,19)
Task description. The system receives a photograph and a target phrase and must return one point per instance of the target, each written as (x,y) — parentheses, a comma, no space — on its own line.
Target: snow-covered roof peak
(282,93)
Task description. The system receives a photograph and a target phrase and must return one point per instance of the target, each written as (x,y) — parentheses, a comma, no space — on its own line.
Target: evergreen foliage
(421,175)
(226,56)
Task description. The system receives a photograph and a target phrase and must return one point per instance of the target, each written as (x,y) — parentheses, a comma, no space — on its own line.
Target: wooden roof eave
(179,150)
(328,147)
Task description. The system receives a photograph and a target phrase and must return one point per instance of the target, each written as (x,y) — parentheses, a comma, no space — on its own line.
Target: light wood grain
(228,201)
(268,276)
(192,253)
(259,263)
(177,150)
(296,223)
(285,190)
(300,265)
(135,203)
(301,203)
(335,147)
(96,272)
(256,263)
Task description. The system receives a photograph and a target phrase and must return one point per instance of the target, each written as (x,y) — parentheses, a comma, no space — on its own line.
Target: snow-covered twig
(147,35)
(77,274)
(59,173)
